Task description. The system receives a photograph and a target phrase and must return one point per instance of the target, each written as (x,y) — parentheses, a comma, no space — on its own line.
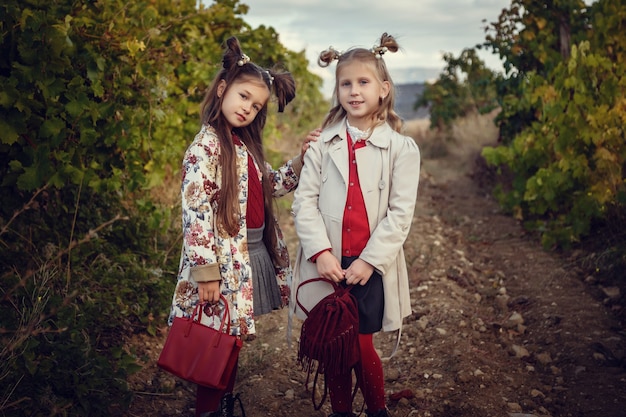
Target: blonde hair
(373,57)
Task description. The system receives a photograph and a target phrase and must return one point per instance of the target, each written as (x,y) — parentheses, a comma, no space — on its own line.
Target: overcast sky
(425,29)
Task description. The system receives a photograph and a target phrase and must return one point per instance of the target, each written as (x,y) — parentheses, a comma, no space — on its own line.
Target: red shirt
(355,227)
(255,204)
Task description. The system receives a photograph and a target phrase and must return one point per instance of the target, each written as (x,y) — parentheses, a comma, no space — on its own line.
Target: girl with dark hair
(232,245)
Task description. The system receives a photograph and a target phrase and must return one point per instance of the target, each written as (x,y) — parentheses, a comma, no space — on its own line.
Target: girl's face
(242,101)
(359,91)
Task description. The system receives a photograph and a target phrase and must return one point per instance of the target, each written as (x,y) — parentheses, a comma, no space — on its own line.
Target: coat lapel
(373,166)
(368,158)
(338,148)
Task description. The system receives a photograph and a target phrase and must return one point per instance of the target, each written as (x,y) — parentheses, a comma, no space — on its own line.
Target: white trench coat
(388,170)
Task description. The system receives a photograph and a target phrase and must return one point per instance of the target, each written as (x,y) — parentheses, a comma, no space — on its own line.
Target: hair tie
(270,77)
(336,54)
(243,60)
(378,51)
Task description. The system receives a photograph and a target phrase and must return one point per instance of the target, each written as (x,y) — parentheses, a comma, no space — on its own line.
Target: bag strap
(226,317)
(308,281)
(318,405)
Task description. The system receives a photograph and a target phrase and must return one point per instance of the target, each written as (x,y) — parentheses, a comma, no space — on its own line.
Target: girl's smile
(359,91)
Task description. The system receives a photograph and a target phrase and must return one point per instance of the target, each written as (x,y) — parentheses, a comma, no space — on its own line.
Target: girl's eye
(345,84)
(256,107)
(363,82)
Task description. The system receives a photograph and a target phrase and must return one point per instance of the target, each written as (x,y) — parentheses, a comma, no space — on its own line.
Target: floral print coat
(204,245)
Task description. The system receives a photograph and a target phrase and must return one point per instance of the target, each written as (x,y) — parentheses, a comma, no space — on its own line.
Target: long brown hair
(371,57)
(237,67)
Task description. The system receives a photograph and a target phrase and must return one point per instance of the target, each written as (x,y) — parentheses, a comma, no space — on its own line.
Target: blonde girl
(354,207)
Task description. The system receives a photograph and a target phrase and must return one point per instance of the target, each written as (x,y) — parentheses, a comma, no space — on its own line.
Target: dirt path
(500,327)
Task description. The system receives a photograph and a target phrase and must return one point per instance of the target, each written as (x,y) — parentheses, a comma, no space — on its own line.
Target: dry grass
(467,135)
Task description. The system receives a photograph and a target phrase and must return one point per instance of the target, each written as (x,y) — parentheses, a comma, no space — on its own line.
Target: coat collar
(381,136)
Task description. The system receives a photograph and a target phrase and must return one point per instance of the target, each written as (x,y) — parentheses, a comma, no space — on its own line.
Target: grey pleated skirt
(265,290)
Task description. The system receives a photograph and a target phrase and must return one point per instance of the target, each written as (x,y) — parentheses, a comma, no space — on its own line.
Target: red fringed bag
(329,335)
(199,353)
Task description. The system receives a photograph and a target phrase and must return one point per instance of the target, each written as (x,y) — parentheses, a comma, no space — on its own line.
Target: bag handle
(308,281)
(197,316)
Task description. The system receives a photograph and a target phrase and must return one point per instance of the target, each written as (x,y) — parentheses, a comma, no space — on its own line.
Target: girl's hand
(329,267)
(359,272)
(311,137)
(209,291)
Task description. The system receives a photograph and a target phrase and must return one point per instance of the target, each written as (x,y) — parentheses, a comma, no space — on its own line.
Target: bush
(568,165)
(67,316)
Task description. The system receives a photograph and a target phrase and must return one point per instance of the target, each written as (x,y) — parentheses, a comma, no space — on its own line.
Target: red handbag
(199,353)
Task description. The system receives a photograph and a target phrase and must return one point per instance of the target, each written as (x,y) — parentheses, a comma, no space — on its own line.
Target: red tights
(208,399)
(369,371)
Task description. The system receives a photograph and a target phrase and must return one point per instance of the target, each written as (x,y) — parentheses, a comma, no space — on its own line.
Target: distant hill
(414,74)
(409,84)
(406,96)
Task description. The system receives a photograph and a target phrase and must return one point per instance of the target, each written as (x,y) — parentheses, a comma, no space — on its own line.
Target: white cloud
(425,29)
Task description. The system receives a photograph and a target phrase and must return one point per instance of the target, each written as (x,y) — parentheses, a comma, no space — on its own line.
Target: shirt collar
(380,137)
(357,134)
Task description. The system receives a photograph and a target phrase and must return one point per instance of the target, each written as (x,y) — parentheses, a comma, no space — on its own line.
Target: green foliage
(52,363)
(68,307)
(531,37)
(570,161)
(562,116)
(607,20)
(562,156)
(466,85)
(99,100)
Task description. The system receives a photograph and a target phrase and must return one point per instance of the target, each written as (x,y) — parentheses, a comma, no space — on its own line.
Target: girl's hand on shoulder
(311,137)
(359,272)
(329,267)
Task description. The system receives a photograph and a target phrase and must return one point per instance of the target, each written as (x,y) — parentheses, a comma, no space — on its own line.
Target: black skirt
(370,299)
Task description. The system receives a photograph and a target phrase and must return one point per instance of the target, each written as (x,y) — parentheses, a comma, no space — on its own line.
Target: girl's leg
(340,391)
(209,400)
(370,374)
